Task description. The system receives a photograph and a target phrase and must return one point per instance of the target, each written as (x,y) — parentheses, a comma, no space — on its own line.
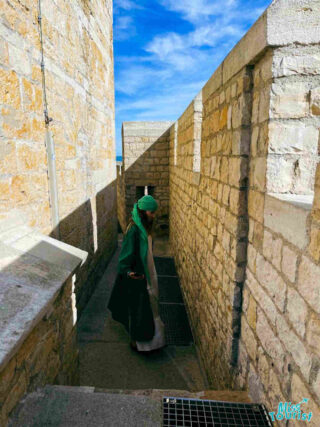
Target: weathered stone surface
(309,283)
(293,139)
(297,311)
(270,341)
(272,281)
(315,101)
(288,219)
(294,345)
(286,22)
(313,332)
(299,389)
(289,100)
(38,311)
(289,263)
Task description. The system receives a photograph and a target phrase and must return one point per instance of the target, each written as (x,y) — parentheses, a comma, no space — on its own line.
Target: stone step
(224,395)
(83,407)
(64,406)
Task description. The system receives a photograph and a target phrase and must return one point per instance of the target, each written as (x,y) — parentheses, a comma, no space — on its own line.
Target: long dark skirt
(130,305)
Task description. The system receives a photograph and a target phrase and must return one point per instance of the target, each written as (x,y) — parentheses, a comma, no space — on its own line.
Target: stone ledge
(287,214)
(33,268)
(145,129)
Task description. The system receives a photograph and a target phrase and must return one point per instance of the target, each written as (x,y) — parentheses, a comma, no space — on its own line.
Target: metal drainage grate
(177,328)
(165,266)
(169,290)
(198,412)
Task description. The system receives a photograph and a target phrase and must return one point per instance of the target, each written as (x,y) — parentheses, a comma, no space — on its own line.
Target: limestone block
(252,256)
(289,263)
(297,311)
(238,171)
(258,236)
(313,333)
(258,173)
(252,313)
(272,282)
(262,298)
(285,64)
(256,205)
(263,367)
(292,138)
(19,60)
(287,215)
(275,255)
(264,104)
(299,389)
(275,393)
(309,283)
(293,21)
(295,346)
(255,107)
(9,89)
(267,244)
(289,100)
(314,247)
(8,161)
(249,339)
(270,342)
(315,101)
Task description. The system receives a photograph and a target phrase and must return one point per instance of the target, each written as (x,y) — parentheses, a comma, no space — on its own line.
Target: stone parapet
(38,313)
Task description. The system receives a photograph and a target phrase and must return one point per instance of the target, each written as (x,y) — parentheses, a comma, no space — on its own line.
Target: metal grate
(169,290)
(198,412)
(177,328)
(165,266)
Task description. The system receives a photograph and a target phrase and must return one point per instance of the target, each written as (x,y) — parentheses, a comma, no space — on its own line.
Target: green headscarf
(146,203)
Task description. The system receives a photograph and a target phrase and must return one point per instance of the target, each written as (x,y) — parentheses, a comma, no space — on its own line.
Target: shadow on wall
(145,170)
(91,227)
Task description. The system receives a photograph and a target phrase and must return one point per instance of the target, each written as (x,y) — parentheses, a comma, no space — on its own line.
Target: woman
(134,299)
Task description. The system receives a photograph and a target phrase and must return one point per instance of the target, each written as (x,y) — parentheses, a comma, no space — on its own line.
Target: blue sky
(165,51)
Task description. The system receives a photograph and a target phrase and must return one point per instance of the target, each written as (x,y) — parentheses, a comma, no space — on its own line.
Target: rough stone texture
(38,314)
(278,340)
(245,229)
(80,91)
(206,209)
(145,152)
(294,132)
(121,196)
(81,406)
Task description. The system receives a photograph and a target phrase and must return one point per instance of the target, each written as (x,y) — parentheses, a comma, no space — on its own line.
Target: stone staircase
(66,406)
(119,387)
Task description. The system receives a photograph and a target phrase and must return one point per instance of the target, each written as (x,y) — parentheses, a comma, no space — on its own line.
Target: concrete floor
(108,362)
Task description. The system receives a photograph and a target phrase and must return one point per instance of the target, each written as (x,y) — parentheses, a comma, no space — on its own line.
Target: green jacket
(129,259)
(129,302)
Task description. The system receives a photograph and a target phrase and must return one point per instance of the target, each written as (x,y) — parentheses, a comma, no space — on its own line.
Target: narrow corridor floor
(108,362)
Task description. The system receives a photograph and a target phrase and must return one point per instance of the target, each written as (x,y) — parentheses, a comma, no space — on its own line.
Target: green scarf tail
(143,235)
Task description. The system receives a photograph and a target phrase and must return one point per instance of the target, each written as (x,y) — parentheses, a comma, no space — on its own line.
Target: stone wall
(208,217)
(279,353)
(244,210)
(145,153)
(121,198)
(78,57)
(38,314)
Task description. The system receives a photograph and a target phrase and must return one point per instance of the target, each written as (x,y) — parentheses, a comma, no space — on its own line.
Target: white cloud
(161,104)
(130,80)
(124,28)
(126,5)
(185,51)
(198,10)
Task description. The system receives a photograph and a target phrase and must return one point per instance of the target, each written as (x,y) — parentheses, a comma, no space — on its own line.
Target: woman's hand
(133,275)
